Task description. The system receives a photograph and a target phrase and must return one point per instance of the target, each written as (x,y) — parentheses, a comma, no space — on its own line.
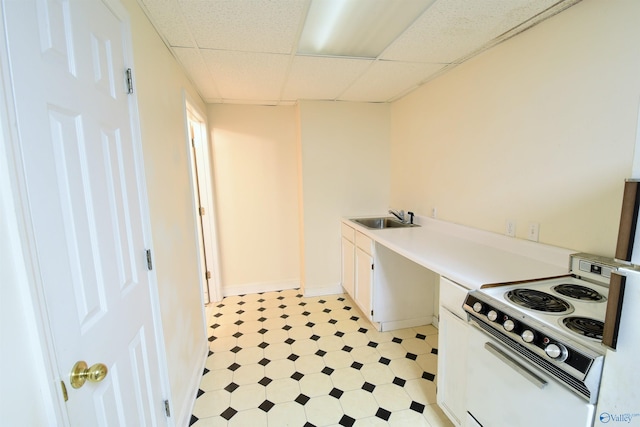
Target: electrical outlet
(510,229)
(434,212)
(534,231)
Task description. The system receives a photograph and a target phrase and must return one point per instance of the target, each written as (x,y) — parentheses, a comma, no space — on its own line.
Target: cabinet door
(348,267)
(364,281)
(452,365)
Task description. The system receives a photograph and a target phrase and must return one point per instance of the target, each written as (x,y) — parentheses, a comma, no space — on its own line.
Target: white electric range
(537,344)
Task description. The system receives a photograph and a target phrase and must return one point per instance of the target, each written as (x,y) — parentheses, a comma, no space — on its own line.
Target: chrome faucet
(398,214)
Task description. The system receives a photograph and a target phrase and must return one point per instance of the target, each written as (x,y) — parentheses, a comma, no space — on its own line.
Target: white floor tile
(309,364)
(416,346)
(247,397)
(220,360)
(216,380)
(355,339)
(407,418)
(421,391)
(405,368)
(330,343)
(283,390)
(289,414)
(377,373)
(248,374)
(347,379)
(249,339)
(338,359)
(250,417)
(281,368)
(224,343)
(359,404)
(302,347)
(323,411)
(211,404)
(391,350)
(391,397)
(365,354)
(277,351)
(317,384)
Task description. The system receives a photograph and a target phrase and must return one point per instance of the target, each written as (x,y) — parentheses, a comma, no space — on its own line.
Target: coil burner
(580,292)
(537,300)
(585,326)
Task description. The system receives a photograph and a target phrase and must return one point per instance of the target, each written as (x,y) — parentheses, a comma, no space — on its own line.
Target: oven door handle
(533,378)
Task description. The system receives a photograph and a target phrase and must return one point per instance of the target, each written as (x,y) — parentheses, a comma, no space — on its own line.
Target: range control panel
(520,332)
(593,267)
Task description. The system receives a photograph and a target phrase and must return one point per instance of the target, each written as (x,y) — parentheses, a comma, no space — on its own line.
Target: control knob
(477,307)
(492,315)
(508,325)
(556,351)
(527,335)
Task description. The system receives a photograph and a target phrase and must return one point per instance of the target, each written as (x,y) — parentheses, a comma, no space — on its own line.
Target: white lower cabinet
(348,265)
(364,281)
(453,335)
(452,366)
(390,290)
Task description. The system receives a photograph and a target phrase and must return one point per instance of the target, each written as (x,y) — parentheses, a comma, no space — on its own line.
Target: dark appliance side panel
(628,220)
(614,311)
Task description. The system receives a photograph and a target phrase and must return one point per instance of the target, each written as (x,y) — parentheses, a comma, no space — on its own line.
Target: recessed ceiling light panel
(356,28)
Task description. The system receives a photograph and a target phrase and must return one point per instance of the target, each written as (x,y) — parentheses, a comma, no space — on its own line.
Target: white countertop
(468,256)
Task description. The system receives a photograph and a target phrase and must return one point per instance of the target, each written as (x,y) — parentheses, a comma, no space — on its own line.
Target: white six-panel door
(86,203)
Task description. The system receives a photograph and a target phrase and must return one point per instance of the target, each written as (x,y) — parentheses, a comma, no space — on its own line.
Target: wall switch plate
(434,212)
(534,231)
(510,228)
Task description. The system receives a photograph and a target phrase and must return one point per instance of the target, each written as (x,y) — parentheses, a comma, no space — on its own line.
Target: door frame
(25,252)
(208,201)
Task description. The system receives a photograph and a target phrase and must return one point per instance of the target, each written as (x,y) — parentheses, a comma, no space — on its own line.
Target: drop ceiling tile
(245,75)
(248,25)
(196,69)
(386,79)
(314,77)
(452,29)
(169,21)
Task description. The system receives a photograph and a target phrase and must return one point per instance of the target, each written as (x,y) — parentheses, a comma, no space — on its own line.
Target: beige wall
(255,168)
(345,171)
(539,129)
(159,88)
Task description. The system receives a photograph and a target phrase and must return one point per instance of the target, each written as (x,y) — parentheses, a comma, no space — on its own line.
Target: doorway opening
(204,203)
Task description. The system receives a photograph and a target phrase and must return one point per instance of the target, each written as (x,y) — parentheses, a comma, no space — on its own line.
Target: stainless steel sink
(382,223)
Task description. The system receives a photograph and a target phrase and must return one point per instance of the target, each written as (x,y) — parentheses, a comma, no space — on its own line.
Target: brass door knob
(81,373)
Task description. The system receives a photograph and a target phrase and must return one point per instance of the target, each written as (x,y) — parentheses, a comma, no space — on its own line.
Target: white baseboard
(324,290)
(409,323)
(436,321)
(182,414)
(256,288)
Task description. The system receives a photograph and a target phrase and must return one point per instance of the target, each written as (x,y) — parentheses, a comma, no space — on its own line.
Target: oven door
(504,389)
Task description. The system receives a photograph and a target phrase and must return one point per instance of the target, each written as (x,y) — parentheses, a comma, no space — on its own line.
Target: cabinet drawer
(452,297)
(348,232)
(364,243)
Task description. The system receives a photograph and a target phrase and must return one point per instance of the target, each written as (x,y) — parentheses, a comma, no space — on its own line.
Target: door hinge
(129,82)
(64,391)
(208,275)
(372,266)
(201,211)
(149,261)
(167,411)
(371,312)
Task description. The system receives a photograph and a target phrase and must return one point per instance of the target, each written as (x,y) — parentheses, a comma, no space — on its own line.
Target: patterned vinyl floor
(281,359)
